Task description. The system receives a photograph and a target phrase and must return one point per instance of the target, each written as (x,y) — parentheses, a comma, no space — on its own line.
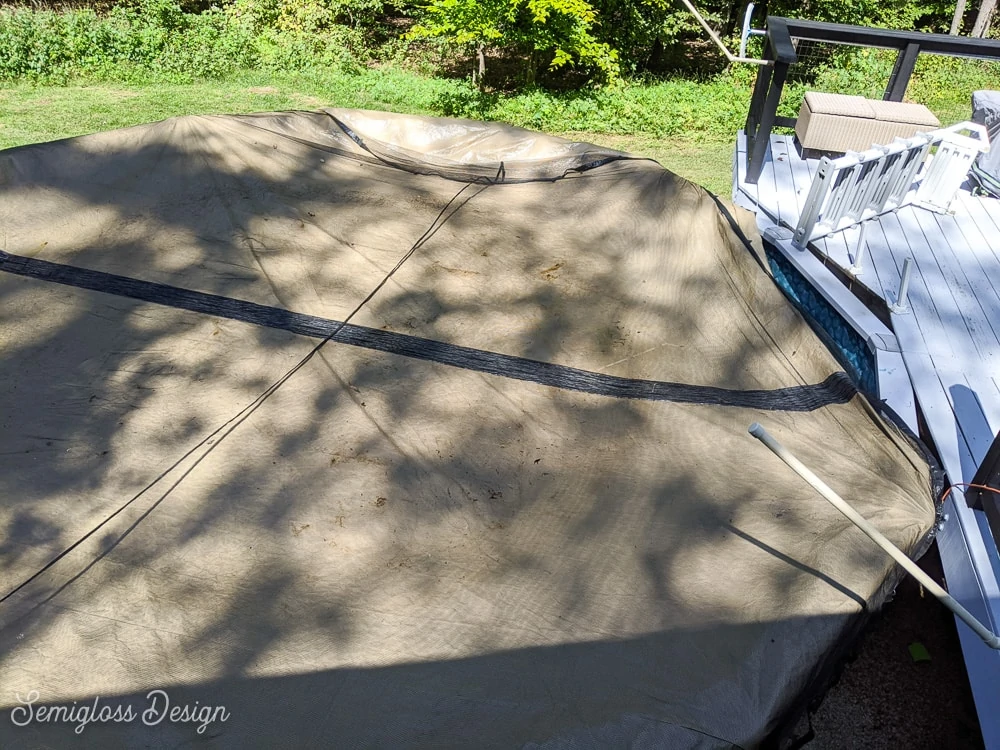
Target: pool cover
(347,429)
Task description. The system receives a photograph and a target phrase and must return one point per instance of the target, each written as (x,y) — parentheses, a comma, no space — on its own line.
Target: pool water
(847,345)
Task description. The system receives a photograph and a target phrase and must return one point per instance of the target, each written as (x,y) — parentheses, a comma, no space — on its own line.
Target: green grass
(688,126)
(708,163)
(32,114)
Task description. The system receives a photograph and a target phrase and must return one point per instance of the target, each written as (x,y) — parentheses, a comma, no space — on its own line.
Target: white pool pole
(718,42)
(991,640)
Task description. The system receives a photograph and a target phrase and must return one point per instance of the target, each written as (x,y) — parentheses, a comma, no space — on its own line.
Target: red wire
(966,484)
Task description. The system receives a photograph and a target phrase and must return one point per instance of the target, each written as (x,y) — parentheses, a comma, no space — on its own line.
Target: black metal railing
(780,50)
(988,501)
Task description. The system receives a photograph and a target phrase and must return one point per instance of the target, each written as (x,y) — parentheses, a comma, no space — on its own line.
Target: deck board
(949,339)
(952,284)
(977,228)
(988,212)
(906,239)
(876,271)
(977,290)
(784,181)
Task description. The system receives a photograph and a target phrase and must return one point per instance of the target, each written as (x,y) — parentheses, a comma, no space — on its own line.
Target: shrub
(156,39)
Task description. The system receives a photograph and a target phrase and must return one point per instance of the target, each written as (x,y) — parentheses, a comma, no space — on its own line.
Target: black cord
(227,427)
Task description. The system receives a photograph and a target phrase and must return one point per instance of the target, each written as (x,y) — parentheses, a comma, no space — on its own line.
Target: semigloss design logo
(158,709)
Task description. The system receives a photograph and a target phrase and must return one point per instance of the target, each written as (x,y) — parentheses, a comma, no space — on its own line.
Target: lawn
(31,114)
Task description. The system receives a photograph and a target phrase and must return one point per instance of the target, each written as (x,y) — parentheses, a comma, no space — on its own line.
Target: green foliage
(712,110)
(558,32)
(640,30)
(890,14)
(611,36)
(202,45)
(945,84)
(305,16)
(861,72)
(156,40)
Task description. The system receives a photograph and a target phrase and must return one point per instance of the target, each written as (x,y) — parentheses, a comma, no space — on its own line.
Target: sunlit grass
(32,114)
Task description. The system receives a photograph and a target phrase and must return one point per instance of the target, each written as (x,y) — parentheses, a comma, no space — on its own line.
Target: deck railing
(856,187)
(782,36)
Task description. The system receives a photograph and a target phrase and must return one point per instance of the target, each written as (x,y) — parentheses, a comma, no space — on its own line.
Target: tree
(984,18)
(956,20)
(552,33)
(642,30)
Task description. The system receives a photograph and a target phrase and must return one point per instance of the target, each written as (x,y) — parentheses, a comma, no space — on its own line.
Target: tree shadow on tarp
(382,508)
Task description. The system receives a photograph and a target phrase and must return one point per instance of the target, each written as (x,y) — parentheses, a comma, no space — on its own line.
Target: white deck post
(859,252)
(901,305)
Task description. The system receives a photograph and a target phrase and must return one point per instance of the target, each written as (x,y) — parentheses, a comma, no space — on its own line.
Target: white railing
(856,187)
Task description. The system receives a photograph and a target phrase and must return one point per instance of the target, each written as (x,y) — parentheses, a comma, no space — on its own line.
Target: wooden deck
(949,340)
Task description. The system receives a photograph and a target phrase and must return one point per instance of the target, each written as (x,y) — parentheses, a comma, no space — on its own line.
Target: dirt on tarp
(511,503)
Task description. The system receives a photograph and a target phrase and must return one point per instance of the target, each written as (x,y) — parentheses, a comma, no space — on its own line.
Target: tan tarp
(518,507)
